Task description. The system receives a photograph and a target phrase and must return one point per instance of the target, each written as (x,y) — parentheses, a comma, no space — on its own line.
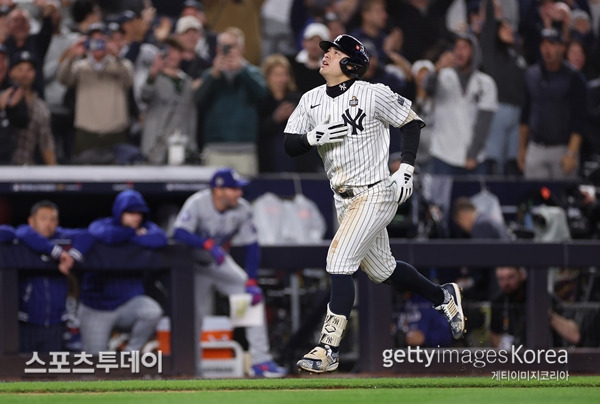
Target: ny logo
(356,121)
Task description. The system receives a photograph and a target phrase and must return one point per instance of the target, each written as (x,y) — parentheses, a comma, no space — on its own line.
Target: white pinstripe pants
(362,238)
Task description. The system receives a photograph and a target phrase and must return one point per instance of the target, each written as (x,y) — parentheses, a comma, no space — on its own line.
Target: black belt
(353,191)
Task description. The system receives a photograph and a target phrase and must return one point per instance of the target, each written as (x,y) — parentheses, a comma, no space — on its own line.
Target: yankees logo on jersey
(368,109)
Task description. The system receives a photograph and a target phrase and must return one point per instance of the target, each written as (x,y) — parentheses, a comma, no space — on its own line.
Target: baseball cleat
(452,309)
(320,360)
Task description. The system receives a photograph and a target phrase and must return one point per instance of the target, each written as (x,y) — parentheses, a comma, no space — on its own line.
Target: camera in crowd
(95,44)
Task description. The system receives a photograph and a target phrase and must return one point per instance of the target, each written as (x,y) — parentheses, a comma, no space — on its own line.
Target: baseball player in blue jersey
(42,297)
(348,120)
(211,220)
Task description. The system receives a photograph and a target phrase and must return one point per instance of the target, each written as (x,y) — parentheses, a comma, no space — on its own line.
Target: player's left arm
(153,237)
(395,110)
(577,122)
(486,108)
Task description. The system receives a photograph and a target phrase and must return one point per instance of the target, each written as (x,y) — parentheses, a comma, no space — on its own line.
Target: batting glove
(253,289)
(404,182)
(215,250)
(327,132)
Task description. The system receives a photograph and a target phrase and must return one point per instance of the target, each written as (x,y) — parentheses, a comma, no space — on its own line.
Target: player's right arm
(301,134)
(37,242)
(187,223)
(296,142)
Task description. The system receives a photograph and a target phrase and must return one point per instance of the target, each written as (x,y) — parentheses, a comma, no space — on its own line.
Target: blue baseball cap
(227,178)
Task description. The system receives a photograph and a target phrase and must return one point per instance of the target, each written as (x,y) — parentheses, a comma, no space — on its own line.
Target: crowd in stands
(506,87)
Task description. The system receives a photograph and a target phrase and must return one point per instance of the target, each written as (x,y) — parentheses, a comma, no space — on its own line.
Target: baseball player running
(211,220)
(348,121)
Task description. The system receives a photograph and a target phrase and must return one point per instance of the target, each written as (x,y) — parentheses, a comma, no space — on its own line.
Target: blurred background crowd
(213,82)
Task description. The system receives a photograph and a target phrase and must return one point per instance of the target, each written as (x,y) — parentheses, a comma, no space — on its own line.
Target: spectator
(508,321)
(477,283)
(20,39)
(13,111)
(373,23)
(277,33)
(229,95)
(423,106)
(206,45)
(199,46)
(553,117)
(422,23)
(477,224)
(503,62)
(540,15)
(274,111)
(334,24)
(126,35)
(59,103)
(38,133)
(307,62)
(581,28)
(115,300)
(419,324)
(85,13)
(42,298)
(169,95)
(195,9)
(379,72)
(577,55)
(590,150)
(102,80)
(243,14)
(465,101)
(210,221)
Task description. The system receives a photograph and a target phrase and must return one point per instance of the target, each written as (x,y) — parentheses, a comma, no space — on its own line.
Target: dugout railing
(374,309)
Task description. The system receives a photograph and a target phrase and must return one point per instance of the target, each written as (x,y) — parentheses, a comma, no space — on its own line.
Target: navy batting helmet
(357,62)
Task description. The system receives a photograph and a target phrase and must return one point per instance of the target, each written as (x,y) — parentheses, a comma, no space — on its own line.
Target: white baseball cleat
(452,309)
(320,360)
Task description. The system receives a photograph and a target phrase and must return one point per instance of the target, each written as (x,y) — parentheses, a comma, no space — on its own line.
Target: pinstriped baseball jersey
(368,109)
(199,216)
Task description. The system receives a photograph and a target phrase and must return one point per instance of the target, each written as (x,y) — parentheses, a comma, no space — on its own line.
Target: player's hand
(327,132)
(256,292)
(404,182)
(215,250)
(568,163)
(65,263)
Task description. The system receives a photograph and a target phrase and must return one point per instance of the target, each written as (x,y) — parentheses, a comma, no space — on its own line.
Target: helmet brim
(325,45)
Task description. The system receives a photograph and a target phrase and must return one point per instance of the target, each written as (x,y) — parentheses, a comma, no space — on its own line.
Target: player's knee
(151,311)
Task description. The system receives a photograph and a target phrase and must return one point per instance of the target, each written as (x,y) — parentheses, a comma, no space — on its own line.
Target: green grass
(306,390)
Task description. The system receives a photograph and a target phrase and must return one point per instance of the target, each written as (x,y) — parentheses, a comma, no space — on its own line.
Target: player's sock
(406,277)
(342,294)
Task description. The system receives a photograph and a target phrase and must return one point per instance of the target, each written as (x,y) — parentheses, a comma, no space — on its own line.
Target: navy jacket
(42,297)
(7,233)
(107,291)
